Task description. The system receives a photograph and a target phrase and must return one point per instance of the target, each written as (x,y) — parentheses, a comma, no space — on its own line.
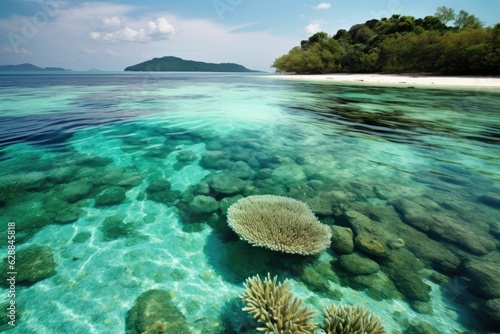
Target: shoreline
(399,80)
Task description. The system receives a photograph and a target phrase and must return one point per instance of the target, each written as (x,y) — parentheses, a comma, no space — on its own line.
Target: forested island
(175,64)
(29,68)
(401,44)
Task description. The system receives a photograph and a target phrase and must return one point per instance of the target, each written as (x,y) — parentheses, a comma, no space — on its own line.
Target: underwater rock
(265,187)
(402,268)
(68,215)
(322,204)
(158,185)
(215,160)
(368,245)
(226,183)
(201,188)
(81,237)
(431,251)
(370,235)
(491,200)
(422,307)
(317,282)
(342,239)
(244,260)
(154,312)
(33,264)
(491,308)
(111,196)
(421,328)
(377,286)
(114,227)
(186,157)
(264,173)
(486,277)
(241,170)
(302,192)
(226,202)
(447,229)
(358,264)
(426,216)
(74,191)
(397,243)
(130,179)
(111,175)
(203,204)
(289,175)
(168,197)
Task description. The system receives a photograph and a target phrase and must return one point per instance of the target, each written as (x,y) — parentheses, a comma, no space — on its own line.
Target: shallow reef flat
(121,223)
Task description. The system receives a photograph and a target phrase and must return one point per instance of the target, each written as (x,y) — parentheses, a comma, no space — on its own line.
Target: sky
(113,34)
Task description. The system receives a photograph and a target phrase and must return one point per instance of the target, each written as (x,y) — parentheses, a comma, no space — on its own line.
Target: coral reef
(279,223)
(351,320)
(274,306)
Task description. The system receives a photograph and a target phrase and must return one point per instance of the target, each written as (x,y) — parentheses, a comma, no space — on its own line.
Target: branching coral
(351,320)
(279,223)
(275,306)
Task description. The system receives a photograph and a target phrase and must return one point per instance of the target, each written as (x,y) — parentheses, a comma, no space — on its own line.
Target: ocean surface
(103,179)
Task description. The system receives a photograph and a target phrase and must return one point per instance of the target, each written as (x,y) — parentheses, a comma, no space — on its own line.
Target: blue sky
(113,34)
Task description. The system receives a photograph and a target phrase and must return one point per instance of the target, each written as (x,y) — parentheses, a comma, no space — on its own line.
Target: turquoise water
(103,169)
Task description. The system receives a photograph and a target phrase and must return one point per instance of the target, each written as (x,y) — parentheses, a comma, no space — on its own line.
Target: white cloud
(114,21)
(323,5)
(23,51)
(115,29)
(313,28)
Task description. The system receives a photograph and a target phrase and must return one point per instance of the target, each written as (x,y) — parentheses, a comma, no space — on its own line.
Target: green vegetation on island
(175,64)
(29,67)
(401,44)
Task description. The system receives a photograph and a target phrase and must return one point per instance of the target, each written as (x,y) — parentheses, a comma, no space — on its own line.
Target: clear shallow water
(419,165)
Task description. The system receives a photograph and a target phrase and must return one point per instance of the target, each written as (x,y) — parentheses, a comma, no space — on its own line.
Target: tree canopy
(401,44)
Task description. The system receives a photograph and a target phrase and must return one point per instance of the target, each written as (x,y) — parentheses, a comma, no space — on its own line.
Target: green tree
(468,21)
(445,14)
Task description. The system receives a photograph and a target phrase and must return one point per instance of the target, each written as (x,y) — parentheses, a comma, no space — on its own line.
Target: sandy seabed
(396,80)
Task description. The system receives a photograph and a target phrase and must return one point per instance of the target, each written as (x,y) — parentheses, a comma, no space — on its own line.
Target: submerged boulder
(226,183)
(486,275)
(111,196)
(203,204)
(33,264)
(342,240)
(154,312)
(358,264)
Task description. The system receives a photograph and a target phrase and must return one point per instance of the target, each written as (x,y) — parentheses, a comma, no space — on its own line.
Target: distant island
(30,68)
(175,64)
(401,44)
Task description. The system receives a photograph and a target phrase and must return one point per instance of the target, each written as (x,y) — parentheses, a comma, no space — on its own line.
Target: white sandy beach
(395,80)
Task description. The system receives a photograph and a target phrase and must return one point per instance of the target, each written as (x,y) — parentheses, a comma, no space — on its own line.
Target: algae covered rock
(203,204)
(115,227)
(226,183)
(74,191)
(215,160)
(367,244)
(33,264)
(154,312)
(111,196)
(342,240)
(486,277)
(158,185)
(289,175)
(358,264)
